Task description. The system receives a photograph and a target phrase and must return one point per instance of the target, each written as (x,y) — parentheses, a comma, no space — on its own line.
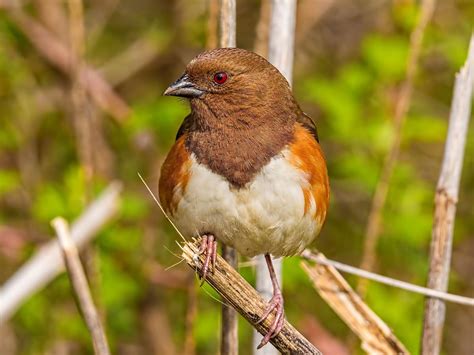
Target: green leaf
(9,181)
(386,55)
(425,129)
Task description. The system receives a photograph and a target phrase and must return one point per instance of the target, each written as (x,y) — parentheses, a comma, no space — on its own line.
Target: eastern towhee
(246,167)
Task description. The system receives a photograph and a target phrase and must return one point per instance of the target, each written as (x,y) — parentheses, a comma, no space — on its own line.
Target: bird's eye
(220,78)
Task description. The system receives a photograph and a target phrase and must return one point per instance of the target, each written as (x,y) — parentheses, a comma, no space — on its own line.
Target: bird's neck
(237,147)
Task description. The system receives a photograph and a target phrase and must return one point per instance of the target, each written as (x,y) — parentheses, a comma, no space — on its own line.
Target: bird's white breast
(265,216)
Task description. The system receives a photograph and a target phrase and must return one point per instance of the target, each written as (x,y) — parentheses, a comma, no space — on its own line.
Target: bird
(246,168)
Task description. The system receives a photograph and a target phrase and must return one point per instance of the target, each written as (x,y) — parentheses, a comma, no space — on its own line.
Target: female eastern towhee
(246,167)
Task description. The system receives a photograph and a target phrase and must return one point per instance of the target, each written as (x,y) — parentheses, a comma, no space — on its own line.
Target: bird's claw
(209,249)
(276,303)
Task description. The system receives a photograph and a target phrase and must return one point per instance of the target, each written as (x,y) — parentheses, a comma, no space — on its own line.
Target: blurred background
(60,145)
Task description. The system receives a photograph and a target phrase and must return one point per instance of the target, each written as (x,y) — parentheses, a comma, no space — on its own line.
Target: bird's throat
(238,154)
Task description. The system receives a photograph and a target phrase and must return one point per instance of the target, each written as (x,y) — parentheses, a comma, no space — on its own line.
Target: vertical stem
(229,331)
(80,287)
(280,54)
(445,205)
(227,23)
(81,116)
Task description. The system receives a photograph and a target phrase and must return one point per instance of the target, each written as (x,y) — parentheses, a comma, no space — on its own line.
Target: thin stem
(80,287)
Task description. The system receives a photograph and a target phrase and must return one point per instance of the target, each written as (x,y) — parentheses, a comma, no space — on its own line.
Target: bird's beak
(184,87)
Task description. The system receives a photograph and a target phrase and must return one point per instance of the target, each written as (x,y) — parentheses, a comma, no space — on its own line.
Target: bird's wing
(306,155)
(185,126)
(175,173)
(308,123)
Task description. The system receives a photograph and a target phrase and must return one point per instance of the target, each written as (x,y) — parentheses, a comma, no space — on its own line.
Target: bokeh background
(350,58)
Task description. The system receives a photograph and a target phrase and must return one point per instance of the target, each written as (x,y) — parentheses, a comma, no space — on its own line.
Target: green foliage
(386,56)
(348,84)
(9,180)
(66,198)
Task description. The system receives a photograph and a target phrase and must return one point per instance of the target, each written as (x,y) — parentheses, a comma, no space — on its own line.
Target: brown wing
(174,175)
(308,123)
(185,126)
(306,155)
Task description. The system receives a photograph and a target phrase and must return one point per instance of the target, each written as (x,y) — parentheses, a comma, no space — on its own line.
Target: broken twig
(445,204)
(81,288)
(375,335)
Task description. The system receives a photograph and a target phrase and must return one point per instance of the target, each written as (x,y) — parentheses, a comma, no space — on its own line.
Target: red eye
(220,78)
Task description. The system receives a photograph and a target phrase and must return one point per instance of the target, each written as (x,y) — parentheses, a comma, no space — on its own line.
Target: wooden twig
(47,262)
(81,115)
(402,105)
(229,329)
(280,54)
(282,36)
(445,204)
(57,54)
(375,335)
(320,259)
(245,299)
(81,289)
(227,23)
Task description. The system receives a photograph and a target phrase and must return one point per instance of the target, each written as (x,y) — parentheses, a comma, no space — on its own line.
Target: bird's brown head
(235,87)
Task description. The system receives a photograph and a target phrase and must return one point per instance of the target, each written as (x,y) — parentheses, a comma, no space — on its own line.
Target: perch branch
(47,262)
(445,204)
(81,289)
(246,300)
(402,105)
(375,335)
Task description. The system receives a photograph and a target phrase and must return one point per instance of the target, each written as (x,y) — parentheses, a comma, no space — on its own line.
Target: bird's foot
(209,249)
(276,303)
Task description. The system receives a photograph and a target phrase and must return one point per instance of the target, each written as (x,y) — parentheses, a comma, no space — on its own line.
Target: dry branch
(229,330)
(47,263)
(402,105)
(445,204)
(280,54)
(245,299)
(57,54)
(375,335)
(81,289)
(227,22)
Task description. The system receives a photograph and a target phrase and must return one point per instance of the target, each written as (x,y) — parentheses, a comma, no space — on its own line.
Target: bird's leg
(209,249)
(276,303)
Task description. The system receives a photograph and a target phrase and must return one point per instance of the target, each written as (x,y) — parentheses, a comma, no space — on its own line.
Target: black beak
(183,87)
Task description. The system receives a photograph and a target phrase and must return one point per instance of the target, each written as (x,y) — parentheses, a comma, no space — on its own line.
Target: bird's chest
(267,215)
(238,155)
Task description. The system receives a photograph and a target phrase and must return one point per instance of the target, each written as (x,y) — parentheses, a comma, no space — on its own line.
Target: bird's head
(234,86)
